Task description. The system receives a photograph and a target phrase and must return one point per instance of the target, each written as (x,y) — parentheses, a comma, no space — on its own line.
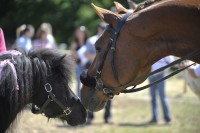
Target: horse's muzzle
(87,80)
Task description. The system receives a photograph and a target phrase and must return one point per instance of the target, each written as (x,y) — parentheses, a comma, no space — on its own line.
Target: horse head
(95,99)
(133,42)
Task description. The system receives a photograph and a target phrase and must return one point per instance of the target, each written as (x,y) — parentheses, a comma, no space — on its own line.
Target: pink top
(2,41)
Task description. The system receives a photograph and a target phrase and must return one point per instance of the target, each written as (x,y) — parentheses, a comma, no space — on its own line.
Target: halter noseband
(51,98)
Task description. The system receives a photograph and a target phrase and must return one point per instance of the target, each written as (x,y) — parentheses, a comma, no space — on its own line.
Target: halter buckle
(67,111)
(48,87)
(50,97)
(112,48)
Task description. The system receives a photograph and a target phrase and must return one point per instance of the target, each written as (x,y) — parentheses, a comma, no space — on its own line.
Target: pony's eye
(98,49)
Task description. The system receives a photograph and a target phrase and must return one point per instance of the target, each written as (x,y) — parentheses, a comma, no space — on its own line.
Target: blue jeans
(79,70)
(159,89)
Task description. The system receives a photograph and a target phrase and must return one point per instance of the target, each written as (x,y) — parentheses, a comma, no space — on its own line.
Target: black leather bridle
(51,98)
(97,83)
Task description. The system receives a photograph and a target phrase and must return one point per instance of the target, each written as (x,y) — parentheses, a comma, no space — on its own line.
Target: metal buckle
(108,93)
(67,111)
(49,97)
(98,71)
(99,83)
(48,87)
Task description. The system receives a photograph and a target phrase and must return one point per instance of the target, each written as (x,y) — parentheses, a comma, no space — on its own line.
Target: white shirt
(90,48)
(162,62)
(197,70)
(24,42)
(81,54)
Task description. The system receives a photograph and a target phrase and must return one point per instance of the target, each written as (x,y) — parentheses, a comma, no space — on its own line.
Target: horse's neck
(168,30)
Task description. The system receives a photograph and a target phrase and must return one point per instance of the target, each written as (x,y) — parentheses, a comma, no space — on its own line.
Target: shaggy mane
(33,69)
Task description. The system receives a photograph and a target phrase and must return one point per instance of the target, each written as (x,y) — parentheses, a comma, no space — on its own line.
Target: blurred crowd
(43,38)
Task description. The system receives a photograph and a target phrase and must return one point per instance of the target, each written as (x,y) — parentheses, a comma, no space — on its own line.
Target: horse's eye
(98,49)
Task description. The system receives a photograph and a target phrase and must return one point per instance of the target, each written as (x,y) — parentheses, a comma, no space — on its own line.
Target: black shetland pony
(40,77)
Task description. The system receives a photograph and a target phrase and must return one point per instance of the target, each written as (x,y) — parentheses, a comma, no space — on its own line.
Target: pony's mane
(146,4)
(33,69)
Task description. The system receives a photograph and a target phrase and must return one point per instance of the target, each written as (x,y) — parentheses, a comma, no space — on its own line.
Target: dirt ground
(130,113)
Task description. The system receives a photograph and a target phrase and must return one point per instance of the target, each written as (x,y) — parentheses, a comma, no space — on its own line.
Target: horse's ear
(107,16)
(120,8)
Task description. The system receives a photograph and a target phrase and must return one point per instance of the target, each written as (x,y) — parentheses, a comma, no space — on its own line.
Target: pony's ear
(107,16)
(120,9)
(57,61)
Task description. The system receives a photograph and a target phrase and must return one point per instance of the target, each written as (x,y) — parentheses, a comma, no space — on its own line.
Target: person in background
(24,36)
(41,40)
(50,38)
(77,52)
(194,71)
(2,41)
(90,55)
(159,90)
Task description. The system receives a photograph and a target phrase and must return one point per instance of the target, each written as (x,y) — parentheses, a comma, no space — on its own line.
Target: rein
(97,83)
(51,98)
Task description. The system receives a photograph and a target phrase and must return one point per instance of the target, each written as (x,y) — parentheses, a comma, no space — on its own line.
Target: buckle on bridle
(108,93)
(99,83)
(67,111)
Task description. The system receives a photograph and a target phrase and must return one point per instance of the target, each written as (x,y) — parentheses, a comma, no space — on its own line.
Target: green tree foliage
(64,15)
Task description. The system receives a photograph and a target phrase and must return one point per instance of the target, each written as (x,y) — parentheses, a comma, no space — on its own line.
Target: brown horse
(170,27)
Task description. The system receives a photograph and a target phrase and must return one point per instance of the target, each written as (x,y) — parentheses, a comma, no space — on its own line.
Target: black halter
(51,98)
(97,83)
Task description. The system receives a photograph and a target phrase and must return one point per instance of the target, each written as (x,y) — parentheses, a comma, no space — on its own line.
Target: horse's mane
(33,69)
(146,4)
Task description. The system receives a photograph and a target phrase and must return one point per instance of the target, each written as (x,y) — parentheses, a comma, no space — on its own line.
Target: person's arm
(194,71)
(197,71)
(73,46)
(90,51)
(90,57)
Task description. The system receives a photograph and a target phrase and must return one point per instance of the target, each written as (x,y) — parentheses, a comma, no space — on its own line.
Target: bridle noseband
(51,98)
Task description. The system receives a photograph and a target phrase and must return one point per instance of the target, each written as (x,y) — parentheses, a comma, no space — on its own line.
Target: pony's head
(51,92)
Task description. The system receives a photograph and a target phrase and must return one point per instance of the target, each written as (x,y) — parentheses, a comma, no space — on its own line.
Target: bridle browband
(97,83)
(51,98)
